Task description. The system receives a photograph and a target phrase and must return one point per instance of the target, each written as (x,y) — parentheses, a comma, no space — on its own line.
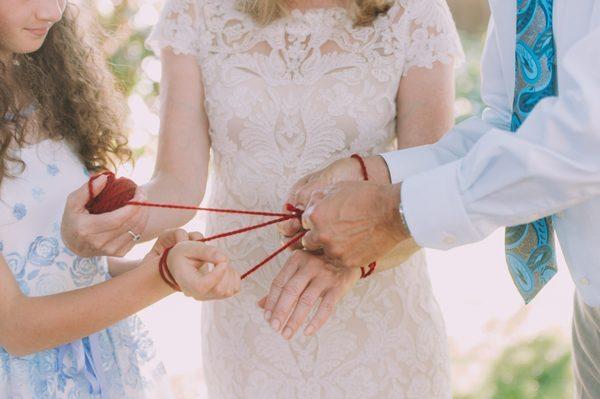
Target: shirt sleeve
(551,163)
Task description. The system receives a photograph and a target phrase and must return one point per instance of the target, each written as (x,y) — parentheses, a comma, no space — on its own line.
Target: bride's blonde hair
(363,12)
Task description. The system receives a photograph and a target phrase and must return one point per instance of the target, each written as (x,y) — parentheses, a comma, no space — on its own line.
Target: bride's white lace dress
(282,101)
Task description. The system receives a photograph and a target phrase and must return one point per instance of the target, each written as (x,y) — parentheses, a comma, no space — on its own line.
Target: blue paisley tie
(530,250)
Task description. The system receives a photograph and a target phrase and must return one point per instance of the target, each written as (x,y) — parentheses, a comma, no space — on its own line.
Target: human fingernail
(267,315)
(287,333)
(309,330)
(275,324)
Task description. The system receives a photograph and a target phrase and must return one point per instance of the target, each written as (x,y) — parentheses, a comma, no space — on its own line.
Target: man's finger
(290,228)
(309,243)
(293,193)
(196,236)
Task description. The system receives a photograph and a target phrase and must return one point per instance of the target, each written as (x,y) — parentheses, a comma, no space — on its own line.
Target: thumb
(79,198)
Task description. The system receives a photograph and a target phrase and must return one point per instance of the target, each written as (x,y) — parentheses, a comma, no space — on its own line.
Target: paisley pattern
(282,101)
(530,249)
(118,362)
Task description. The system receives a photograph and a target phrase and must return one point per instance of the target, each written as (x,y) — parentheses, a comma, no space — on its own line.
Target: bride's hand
(346,169)
(106,234)
(297,288)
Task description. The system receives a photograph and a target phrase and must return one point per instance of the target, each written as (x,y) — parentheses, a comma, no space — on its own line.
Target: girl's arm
(32,324)
(180,172)
(118,266)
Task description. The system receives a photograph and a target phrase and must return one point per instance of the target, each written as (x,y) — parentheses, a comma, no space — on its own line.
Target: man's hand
(354,223)
(346,169)
(106,234)
(305,282)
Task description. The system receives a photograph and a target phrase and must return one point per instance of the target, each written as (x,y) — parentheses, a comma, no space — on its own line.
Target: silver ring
(303,243)
(135,237)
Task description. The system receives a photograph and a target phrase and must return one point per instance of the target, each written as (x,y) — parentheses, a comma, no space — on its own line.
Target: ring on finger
(303,241)
(134,237)
(306,223)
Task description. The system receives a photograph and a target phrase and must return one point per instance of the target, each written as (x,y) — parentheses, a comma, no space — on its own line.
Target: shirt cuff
(434,209)
(407,162)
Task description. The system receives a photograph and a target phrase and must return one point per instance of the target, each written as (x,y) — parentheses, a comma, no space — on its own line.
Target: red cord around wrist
(364,273)
(165,273)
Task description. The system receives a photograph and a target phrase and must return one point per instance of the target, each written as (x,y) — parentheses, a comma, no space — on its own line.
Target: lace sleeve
(432,35)
(178,28)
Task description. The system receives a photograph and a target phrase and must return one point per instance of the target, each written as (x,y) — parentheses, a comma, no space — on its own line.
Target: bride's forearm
(397,256)
(169,188)
(118,266)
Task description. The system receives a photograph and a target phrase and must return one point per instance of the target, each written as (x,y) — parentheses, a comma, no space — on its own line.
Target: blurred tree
(471,16)
(536,369)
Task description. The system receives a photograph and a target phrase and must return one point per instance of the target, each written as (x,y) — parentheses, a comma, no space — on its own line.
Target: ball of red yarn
(115,194)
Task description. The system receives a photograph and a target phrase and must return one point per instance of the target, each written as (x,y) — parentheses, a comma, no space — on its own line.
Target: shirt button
(584,281)
(449,240)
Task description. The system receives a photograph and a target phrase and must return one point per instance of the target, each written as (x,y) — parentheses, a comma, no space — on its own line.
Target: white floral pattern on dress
(123,356)
(284,100)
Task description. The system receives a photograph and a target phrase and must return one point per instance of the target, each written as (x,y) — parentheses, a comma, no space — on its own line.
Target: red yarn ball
(115,194)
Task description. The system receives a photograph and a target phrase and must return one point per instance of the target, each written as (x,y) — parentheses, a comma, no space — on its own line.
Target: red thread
(164,271)
(363,166)
(118,193)
(364,273)
(115,194)
(197,208)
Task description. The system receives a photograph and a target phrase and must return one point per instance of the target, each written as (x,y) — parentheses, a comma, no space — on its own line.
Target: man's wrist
(402,216)
(399,228)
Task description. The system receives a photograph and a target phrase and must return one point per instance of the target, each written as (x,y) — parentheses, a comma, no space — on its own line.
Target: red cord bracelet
(364,273)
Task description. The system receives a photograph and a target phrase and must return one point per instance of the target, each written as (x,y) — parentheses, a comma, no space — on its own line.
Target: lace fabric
(284,100)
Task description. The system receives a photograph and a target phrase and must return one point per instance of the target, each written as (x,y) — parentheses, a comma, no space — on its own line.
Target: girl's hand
(188,262)
(108,234)
(297,288)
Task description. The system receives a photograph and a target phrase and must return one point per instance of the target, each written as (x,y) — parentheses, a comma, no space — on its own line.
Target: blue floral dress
(119,362)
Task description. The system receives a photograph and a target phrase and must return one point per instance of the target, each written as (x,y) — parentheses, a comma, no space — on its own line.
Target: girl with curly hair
(66,324)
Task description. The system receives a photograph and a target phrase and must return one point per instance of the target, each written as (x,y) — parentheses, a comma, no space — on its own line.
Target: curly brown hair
(77,99)
(363,12)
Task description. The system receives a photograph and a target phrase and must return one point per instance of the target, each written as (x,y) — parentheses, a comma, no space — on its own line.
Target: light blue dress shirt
(480,177)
